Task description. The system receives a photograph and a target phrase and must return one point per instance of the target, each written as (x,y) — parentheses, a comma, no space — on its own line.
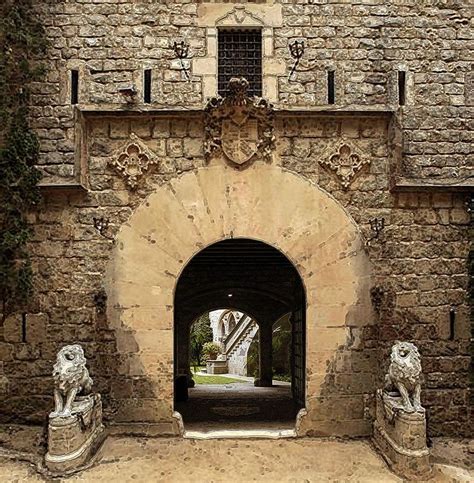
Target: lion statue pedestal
(400,424)
(75,427)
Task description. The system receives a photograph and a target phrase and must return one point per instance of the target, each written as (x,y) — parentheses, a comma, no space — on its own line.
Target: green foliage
(199,379)
(471,284)
(211,350)
(201,333)
(22,38)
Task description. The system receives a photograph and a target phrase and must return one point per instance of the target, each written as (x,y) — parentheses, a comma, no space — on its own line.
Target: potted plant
(211,350)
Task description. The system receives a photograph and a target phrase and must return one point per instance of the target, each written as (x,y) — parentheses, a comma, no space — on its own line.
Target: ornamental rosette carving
(345,160)
(133,160)
(238,125)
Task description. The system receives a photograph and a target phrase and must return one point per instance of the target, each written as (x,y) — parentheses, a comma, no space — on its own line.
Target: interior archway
(254,276)
(263,202)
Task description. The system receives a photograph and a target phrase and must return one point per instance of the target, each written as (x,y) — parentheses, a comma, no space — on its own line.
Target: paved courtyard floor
(239,402)
(183,460)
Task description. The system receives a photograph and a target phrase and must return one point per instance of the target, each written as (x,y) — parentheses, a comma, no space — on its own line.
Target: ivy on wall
(471,284)
(21,39)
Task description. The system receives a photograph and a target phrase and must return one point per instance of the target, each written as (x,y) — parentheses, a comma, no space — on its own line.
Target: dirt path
(178,460)
(184,460)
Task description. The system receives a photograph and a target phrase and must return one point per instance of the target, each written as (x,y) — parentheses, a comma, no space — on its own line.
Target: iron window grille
(240,55)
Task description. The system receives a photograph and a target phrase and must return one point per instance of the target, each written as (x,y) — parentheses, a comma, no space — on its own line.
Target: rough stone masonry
(410,136)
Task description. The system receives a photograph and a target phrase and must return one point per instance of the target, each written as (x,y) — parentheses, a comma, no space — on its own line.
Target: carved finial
(238,87)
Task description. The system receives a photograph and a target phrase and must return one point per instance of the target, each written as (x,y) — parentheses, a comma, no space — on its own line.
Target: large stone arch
(199,208)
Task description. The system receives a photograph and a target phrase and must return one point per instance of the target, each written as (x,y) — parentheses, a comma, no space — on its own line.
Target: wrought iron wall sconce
(100,301)
(376,226)
(296,51)
(377,295)
(101,224)
(470,205)
(181,51)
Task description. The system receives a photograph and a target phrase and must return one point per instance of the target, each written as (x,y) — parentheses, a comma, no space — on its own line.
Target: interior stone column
(265,360)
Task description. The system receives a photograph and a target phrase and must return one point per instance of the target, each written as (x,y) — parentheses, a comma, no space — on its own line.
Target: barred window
(240,55)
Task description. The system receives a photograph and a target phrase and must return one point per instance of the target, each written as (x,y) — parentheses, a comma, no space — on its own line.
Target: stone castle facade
(364,188)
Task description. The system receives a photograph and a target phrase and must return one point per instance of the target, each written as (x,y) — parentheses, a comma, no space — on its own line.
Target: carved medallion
(345,160)
(238,125)
(133,160)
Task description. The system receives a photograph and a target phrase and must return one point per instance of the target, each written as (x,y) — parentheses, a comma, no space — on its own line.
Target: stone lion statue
(404,375)
(71,377)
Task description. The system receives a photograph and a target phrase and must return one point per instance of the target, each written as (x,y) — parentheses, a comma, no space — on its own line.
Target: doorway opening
(239,338)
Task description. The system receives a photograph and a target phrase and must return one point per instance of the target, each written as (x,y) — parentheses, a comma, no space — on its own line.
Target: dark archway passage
(257,279)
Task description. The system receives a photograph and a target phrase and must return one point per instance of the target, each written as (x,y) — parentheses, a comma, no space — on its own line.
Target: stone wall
(418,266)
(419,262)
(365,43)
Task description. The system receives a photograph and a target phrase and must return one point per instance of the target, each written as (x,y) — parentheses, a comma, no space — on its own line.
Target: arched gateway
(264,203)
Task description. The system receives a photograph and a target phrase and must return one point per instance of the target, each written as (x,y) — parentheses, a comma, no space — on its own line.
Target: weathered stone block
(401,438)
(73,440)
(12,328)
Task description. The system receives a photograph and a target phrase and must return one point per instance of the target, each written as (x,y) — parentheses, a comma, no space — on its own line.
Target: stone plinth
(401,437)
(73,440)
(216,367)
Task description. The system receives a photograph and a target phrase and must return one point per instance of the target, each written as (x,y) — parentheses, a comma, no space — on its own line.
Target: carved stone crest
(238,125)
(133,160)
(345,160)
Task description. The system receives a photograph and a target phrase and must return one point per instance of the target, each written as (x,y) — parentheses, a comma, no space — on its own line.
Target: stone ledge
(138,109)
(418,184)
(62,187)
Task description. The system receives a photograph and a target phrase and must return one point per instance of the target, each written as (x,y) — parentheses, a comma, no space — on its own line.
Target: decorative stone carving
(239,15)
(345,160)
(70,378)
(75,426)
(238,125)
(400,425)
(133,160)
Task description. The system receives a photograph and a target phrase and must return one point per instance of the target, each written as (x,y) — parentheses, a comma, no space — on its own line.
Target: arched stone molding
(263,202)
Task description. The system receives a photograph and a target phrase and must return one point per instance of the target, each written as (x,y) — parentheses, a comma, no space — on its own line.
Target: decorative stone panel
(133,160)
(345,160)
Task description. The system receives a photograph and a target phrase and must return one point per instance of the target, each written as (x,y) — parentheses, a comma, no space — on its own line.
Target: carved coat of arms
(238,125)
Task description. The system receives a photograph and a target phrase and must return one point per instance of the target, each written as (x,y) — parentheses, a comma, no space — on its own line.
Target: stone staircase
(237,344)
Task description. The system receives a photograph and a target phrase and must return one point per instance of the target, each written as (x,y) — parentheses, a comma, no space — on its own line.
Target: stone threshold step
(241,434)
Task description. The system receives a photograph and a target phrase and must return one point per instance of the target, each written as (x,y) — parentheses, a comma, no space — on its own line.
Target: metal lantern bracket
(101,225)
(376,226)
(296,51)
(181,50)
